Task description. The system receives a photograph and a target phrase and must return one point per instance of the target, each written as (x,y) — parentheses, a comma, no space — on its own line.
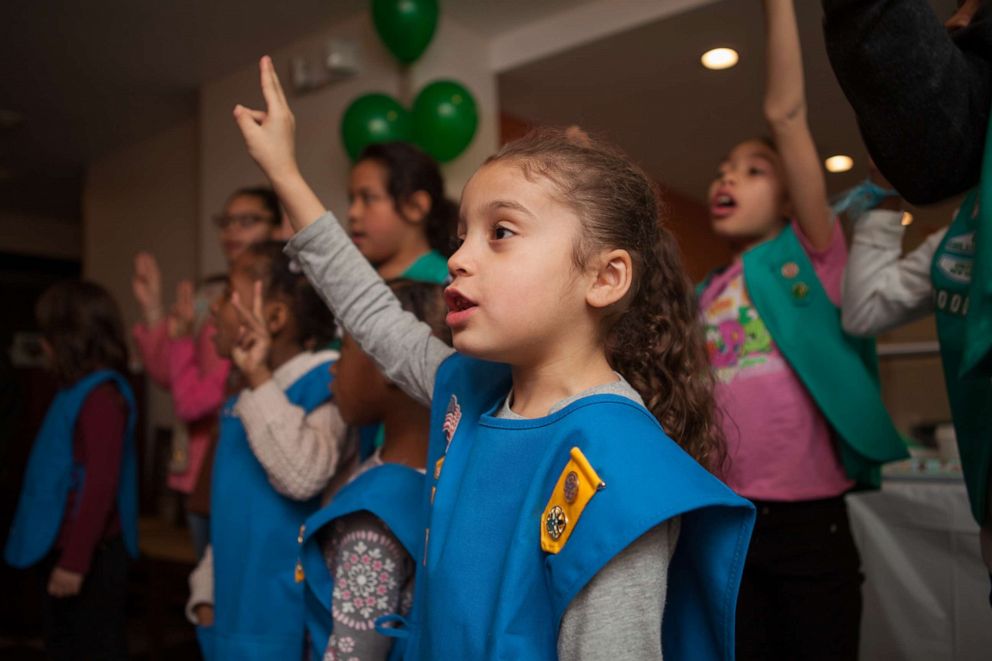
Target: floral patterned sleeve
(373,576)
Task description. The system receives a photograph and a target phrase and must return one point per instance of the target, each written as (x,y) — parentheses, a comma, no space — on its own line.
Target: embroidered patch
(575,487)
(790,270)
(451,419)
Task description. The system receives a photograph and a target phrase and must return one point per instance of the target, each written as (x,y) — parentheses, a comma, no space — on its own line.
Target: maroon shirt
(98,446)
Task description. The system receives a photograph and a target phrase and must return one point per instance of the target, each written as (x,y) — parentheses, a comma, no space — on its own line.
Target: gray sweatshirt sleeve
(618,614)
(401,345)
(882,288)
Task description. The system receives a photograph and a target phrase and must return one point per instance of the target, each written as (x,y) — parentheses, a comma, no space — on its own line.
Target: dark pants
(92,624)
(801,591)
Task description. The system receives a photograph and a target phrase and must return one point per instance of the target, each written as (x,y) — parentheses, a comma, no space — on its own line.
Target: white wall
(143,197)
(456,52)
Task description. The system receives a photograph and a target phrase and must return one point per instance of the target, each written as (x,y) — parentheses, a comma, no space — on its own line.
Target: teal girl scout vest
(523,513)
(839,371)
(391,492)
(961,273)
(258,599)
(52,474)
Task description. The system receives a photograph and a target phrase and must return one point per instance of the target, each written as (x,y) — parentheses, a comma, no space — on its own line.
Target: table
(926,591)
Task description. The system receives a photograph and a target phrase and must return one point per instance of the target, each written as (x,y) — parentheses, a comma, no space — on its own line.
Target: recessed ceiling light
(719,58)
(839,163)
(907,219)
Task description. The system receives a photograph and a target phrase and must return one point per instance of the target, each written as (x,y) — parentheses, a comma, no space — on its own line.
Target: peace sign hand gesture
(269,134)
(251,351)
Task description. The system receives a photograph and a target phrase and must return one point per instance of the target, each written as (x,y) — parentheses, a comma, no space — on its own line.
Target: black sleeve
(921,95)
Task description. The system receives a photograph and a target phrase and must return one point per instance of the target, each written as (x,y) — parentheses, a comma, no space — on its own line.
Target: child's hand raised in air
(183,313)
(269,134)
(147,286)
(251,352)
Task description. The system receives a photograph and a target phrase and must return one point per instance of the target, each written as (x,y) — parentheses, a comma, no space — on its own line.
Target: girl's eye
(456,242)
(500,233)
(755,171)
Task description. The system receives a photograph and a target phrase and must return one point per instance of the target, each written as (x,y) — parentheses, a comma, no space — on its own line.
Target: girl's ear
(612,278)
(416,207)
(276,316)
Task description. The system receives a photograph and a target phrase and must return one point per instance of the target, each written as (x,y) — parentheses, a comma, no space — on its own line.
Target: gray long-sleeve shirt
(621,609)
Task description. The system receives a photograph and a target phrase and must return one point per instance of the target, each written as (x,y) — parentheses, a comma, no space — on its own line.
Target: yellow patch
(576,486)
(298,575)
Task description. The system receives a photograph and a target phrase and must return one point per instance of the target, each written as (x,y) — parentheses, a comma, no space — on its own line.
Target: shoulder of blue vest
(619,480)
(623,459)
(470,380)
(380,490)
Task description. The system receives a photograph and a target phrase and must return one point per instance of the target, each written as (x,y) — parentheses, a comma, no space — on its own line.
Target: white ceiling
(89,77)
(646,90)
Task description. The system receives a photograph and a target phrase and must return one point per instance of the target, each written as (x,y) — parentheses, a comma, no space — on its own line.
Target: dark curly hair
(282,277)
(425,300)
(408,170)
(80,320)
(654,338)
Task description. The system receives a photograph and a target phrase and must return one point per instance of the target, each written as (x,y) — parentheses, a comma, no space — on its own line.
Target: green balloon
(444,119)
(374,118)
(405,26)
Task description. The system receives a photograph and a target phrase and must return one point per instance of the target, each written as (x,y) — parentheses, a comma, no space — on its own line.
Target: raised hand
(183,313)
(251,351)
(269,134)
(147,286)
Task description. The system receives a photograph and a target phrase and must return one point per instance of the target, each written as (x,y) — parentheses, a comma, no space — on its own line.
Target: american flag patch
(451,419)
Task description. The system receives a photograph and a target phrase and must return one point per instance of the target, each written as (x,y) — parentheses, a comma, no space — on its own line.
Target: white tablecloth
(926,591)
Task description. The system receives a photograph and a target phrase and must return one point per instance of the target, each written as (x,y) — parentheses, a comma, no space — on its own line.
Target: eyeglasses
(242,220)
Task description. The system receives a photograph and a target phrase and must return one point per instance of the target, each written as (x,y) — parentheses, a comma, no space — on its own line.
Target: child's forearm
(402,346)
(300,453)
(785,92)
(785,110)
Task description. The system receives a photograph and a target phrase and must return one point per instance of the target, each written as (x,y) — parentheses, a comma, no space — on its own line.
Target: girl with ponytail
(567,514)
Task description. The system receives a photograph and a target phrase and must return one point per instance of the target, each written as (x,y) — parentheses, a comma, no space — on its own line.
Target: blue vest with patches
(392,493)
(258,603)
(52,474)
(485,589)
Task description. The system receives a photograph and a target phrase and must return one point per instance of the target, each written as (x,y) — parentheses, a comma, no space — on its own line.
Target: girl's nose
(458,263)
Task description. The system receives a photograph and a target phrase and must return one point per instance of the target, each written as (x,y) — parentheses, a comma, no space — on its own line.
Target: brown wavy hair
(81,322)
(654,336)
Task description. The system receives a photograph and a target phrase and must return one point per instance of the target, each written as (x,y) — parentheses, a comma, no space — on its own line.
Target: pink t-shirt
(779,444)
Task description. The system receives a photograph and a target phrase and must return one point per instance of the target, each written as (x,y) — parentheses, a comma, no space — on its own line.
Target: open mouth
(722,205)
(460,307)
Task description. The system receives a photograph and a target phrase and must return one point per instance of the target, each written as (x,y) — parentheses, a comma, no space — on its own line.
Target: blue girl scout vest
(391,492)
(839,370)
(52,474)
(523,513)
(258,599)
(961,274)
